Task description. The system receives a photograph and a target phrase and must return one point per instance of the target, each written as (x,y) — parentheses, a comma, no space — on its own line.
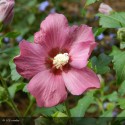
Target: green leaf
(42,121)
(115,51)
(121,90)
(110,106)
(112,97)
(84,121)
(119,64)
(82,106)
(122,114)
(105,118)
(10,51)
(14,88)
(30,39)
(59,114)
(99,31)
(14,74)
(122,45)
(25,89)
(107,113)
(121,103)
(1,39)
(3,94)
(114,20)
(31,18)
(12,34)
(100,64)
(31,3)
(88,2)
(49,111)
(92,109)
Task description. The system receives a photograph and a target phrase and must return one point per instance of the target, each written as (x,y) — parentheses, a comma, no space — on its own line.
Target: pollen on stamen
(60,60)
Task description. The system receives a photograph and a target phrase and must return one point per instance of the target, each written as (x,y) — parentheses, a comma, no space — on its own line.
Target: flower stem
(10,101)
(1,26)
(28,108)
(100,105)
(67,109)
(68,112)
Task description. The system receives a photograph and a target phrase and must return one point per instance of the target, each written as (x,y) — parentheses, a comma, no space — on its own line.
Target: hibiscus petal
(80,53)
(78,81)
(47,88)
(82,33)
(39,37)
(31,60)
(56,31)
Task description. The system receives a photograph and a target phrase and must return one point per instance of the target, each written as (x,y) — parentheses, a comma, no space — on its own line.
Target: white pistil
(60,60)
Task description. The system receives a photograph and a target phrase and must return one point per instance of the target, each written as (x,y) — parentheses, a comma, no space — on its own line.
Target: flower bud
(121,34)
(105,9)
(6,11)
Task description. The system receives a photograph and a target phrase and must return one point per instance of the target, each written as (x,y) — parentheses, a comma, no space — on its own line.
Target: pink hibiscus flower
(57,60)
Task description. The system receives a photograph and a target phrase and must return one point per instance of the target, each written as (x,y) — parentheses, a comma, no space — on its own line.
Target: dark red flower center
(58,60)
